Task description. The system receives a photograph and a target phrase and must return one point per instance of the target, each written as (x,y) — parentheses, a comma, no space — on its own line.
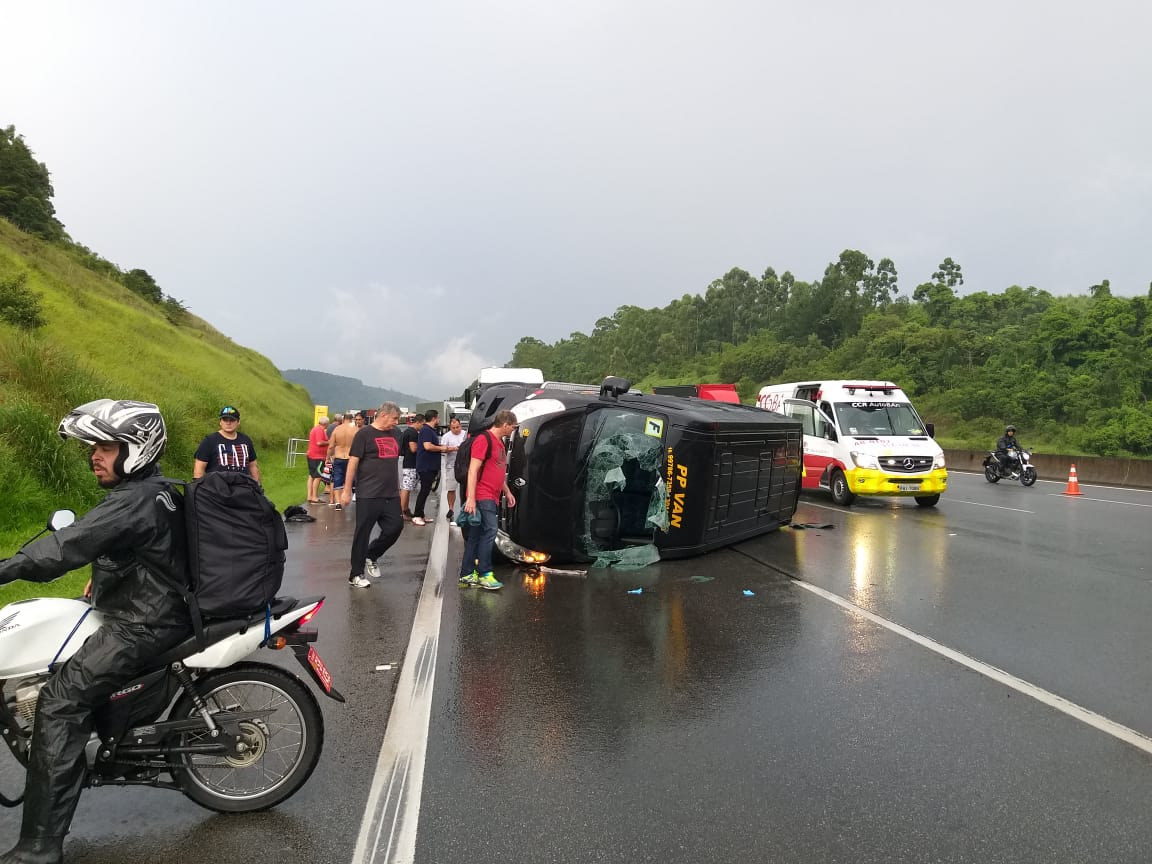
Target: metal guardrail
(296,447)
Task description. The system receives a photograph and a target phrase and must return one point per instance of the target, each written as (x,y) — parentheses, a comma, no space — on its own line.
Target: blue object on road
(636,591)
(748,593)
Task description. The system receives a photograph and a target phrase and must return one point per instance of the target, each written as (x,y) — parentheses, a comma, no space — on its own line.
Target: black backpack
(464,458)
(236,543)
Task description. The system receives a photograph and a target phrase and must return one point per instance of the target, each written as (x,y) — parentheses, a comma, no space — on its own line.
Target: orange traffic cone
(1073,487)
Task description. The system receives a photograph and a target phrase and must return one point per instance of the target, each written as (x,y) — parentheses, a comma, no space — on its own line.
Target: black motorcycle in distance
(997,469)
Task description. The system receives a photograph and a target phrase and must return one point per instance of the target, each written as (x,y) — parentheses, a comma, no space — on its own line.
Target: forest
(1074,373)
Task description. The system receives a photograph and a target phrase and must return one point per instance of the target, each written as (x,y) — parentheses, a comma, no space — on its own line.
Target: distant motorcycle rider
(135,541)
(1007,450)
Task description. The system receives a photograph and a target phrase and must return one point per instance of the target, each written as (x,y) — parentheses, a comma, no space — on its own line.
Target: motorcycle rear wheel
(1028,477)
(991,474)
(284,747)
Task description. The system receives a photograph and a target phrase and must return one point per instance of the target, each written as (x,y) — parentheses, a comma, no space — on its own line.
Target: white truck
(491,375)
(861,438)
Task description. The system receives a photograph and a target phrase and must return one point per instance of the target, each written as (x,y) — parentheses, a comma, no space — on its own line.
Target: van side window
(822,427)
(825,428)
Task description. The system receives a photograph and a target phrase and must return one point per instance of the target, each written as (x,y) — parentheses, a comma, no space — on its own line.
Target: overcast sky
(334,184)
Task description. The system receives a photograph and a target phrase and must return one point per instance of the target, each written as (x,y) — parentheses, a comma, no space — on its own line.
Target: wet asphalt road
(575,721)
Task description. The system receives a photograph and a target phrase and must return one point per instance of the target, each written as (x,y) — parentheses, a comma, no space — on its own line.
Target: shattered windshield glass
(624,491)
(878,418)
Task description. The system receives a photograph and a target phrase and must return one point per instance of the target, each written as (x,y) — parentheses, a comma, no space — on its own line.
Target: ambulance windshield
(878,418)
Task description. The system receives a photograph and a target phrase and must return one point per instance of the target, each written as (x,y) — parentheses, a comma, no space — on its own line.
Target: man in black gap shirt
(373,466)
(226,450)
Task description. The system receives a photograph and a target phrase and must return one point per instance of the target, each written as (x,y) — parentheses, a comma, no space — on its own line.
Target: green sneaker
(472,578)
(488,581)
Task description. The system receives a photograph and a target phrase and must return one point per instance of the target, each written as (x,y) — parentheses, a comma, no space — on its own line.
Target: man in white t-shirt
(453,438)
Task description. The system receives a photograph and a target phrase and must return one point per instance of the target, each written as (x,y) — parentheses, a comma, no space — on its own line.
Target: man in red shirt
(487,479)
(317,451)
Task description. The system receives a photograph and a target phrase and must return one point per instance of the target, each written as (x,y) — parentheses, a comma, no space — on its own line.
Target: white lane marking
(1101,500)
(392,814)
(826,507)
(993,506)
(1084,715)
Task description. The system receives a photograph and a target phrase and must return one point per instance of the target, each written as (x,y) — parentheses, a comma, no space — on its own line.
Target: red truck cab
(711,392)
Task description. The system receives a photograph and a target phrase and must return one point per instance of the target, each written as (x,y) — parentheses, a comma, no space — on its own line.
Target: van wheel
(840,492)
(927,500)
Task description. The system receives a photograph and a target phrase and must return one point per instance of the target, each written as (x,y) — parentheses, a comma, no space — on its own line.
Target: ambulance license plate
(908,487)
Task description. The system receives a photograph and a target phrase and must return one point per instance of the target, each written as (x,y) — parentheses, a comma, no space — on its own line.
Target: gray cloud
(335,185)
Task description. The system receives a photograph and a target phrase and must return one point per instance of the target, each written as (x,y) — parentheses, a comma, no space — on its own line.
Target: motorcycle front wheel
(991,475)
(283,745)
(1028,477)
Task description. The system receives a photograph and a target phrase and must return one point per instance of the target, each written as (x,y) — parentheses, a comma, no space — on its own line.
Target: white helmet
(137,426)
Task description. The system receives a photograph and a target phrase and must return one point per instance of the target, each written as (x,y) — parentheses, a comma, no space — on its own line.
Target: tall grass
(103,341)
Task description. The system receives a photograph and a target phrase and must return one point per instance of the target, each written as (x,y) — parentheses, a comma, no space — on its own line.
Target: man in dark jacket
(135,542)
(1006,449)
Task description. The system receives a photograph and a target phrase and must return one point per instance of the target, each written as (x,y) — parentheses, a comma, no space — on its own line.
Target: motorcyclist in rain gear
(1006,451)
(135,541)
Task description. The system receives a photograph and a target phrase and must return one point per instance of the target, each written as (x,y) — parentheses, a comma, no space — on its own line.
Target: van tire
(927,500)
(841,494)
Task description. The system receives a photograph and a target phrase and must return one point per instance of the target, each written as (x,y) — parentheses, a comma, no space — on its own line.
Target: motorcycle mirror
(61,519)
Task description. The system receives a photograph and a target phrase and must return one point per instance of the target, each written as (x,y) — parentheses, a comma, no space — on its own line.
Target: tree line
(26,201)
(1073,372)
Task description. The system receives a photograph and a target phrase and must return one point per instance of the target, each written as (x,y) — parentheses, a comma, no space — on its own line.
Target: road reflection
(554,664)
(869,553)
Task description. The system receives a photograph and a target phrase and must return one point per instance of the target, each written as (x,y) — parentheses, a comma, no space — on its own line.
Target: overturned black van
(620,476)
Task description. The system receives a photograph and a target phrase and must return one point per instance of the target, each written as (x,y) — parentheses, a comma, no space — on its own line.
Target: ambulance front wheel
(840,492)
(927,500)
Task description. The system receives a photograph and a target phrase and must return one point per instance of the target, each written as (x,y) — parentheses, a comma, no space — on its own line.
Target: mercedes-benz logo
(909,464)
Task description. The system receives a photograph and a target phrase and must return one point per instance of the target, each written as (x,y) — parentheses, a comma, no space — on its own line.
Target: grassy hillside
(101,340)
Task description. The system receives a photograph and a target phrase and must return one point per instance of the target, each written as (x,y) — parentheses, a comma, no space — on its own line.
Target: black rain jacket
(1008,442)
(135,540)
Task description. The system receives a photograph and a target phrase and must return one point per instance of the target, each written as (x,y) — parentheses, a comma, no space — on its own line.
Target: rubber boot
(35,850)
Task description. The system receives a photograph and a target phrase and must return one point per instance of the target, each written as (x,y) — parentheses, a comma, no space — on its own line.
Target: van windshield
(878,418)
(623,488)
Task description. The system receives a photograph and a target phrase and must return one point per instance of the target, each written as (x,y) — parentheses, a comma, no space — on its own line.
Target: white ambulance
(861,438)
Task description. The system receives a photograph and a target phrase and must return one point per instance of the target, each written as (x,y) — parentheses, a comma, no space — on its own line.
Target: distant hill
(340,393)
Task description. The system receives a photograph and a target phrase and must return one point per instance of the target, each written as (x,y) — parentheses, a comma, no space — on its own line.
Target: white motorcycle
(234,737)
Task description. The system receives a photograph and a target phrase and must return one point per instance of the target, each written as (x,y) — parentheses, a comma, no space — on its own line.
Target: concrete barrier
(1133,473)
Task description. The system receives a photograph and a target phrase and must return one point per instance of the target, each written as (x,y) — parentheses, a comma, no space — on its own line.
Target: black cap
(229,412)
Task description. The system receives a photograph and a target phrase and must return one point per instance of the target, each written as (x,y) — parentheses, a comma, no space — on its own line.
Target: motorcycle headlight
(865,460)
(938,462)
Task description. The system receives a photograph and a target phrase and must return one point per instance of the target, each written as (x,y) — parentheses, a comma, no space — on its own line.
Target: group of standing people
(385,465)
(329,444)
(427,453)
